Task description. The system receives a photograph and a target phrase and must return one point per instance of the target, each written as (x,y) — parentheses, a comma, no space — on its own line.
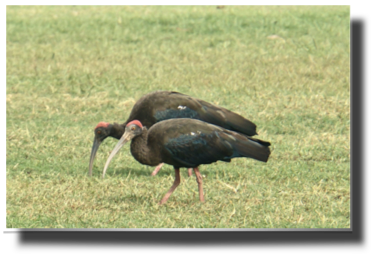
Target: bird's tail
(253,148)
(244,146)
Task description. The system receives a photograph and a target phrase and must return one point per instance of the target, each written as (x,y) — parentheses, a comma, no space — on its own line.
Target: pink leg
(157,168)
(189,172)
(173,187)
(200,184)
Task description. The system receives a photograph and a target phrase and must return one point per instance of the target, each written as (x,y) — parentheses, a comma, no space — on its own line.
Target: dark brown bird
(163,105)
(187,143)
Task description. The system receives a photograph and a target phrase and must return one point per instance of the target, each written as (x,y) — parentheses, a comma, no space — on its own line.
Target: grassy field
(285,68)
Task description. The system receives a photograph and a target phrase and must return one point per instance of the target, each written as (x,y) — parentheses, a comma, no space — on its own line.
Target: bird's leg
(157,168)
(173,187)
(189,172)
(200,184)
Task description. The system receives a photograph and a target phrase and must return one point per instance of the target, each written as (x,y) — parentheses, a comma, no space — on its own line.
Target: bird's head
(132,129)
(101,132)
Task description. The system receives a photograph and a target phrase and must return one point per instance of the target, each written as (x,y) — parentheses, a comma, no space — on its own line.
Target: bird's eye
(133,128)
(98,132)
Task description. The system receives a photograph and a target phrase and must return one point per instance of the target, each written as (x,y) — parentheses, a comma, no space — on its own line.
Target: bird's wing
(177,105)
(191,150)
(226,119)
(189,143)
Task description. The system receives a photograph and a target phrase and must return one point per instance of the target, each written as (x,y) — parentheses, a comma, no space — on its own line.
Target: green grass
(285,68)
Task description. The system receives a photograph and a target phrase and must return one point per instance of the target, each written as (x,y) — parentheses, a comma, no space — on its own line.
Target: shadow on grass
(148,170)
(124,172)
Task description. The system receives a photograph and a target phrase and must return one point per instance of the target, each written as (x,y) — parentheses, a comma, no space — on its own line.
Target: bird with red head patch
(187,143)
(163,105)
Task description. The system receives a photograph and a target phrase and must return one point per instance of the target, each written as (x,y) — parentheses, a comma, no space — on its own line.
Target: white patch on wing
(221,114)
(192,133)
(181,107)
(233,138)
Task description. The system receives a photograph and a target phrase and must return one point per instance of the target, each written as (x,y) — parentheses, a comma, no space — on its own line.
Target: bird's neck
(117,130)
(142,152)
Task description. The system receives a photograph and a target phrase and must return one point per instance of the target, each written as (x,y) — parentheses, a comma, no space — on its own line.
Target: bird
(163,105)
(187,143)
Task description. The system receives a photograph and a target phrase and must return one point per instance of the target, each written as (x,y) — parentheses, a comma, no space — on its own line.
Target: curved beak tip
(126,137)
(96,144)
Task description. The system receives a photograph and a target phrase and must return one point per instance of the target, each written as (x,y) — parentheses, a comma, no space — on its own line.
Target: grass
(285,68)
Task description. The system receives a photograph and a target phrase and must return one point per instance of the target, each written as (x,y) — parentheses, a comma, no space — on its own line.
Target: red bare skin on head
(136,122)
(102,124)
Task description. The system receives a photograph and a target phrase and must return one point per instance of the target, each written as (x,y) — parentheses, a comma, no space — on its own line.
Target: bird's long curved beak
(127,136)
(96,143)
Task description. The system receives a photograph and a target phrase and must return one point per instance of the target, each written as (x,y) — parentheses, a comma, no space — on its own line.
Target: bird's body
(163,105)
(188,143)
